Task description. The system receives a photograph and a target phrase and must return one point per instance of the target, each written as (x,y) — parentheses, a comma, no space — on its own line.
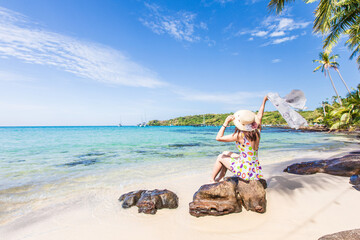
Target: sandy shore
(299,207)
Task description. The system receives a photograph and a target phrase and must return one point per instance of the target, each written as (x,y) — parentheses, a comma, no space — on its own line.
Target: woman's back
(247,165)
(252,138)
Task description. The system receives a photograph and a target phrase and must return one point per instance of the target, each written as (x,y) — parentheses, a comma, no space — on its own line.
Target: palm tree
(333,18)
(343,19)
(278,5)
(326,63)
(335,65)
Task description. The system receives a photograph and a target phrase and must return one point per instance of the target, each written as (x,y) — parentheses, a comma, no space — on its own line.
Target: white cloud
(223,1)
(290,24)
(259,33)
(20,107)
(203,26)
(276,27)
(277,34)
(19,38)
(252,1)
(228,27)
(180,25)
(276,60)
(285,39)
(14,77)
(250,39)
(234,98)
(209,41)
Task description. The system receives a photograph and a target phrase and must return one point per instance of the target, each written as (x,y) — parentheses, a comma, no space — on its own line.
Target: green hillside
(273,118)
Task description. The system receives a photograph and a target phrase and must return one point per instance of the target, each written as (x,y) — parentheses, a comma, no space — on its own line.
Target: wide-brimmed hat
(244,120)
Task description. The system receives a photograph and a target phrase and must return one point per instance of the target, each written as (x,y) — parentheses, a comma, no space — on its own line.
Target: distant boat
(142,124)
(120,125)
(203,124)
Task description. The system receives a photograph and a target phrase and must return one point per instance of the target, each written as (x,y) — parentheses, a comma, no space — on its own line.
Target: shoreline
(299,207)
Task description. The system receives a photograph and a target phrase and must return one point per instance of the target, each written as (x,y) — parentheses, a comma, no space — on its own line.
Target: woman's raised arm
(228,138)
(261,110)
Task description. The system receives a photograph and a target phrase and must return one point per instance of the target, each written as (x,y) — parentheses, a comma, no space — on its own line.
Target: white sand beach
(298,207)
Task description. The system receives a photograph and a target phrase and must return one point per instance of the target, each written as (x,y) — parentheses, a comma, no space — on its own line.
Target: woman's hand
(228,138)
(229,119)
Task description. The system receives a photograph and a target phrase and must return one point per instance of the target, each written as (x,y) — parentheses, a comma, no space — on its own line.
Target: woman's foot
(219,179)
(214,180)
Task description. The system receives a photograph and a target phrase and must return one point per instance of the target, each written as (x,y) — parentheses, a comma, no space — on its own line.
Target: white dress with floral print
(247,166)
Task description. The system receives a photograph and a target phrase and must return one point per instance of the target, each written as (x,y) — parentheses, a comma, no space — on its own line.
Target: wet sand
(298,207)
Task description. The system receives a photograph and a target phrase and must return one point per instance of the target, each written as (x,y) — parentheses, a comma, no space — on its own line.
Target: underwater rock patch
(81,162)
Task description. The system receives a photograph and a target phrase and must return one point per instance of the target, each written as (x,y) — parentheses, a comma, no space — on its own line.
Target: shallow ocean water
(38,164)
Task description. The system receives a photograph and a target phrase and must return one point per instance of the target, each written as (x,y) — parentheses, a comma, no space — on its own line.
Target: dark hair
(249,135)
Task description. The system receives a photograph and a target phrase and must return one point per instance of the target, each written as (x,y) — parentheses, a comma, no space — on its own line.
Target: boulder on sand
(344,166)
(229,196)
(344,235)
(149,201)
(355,180)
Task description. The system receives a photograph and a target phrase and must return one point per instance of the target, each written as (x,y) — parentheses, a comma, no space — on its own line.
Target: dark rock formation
(228,196)
(252,195)
(215,199)
(355,180)
(344,235)
(344,166)
(149,201)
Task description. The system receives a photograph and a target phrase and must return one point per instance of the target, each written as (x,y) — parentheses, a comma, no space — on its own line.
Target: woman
(247,138)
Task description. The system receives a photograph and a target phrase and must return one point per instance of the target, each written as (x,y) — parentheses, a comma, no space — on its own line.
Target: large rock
(149,201)
(229,196)
(252,194)
(344,166)
(344,235)
(355,180)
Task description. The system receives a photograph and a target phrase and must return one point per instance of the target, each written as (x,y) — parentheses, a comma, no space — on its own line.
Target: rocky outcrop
(344,166)
(149,201)
(229,196)
(355,180)
(344,235)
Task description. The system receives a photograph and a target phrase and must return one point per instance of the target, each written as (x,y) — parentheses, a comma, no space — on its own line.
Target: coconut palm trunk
(343,80)
(323,106)
(334,87)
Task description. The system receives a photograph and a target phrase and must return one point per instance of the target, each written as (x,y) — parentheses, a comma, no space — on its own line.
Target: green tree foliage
(326,61)
(333,19)
(346,116)
(269,118)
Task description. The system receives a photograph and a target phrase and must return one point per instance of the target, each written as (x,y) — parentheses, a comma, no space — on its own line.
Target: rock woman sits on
(244,164)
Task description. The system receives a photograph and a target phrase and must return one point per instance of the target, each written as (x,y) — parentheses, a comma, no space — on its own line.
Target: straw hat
(244,120)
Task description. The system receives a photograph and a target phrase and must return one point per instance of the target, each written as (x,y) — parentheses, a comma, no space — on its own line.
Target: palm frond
(334,56)
(353,43)
(345,17)
(317,68)
(278,5)
(323,14)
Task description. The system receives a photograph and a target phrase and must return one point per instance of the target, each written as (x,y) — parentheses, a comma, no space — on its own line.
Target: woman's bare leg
(217,167)
(221,174)
(221,165)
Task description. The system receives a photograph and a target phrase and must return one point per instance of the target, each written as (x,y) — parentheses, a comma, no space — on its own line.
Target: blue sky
(100,62)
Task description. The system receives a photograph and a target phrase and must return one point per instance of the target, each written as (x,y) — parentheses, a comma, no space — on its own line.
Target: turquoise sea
(39,164)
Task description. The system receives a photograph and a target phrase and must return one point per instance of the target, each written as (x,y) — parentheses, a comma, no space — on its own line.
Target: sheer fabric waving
(295,99)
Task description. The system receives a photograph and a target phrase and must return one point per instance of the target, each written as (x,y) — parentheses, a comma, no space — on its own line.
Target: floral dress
(247,166)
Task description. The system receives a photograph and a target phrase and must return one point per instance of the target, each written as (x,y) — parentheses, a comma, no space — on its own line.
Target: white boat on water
(142,124)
